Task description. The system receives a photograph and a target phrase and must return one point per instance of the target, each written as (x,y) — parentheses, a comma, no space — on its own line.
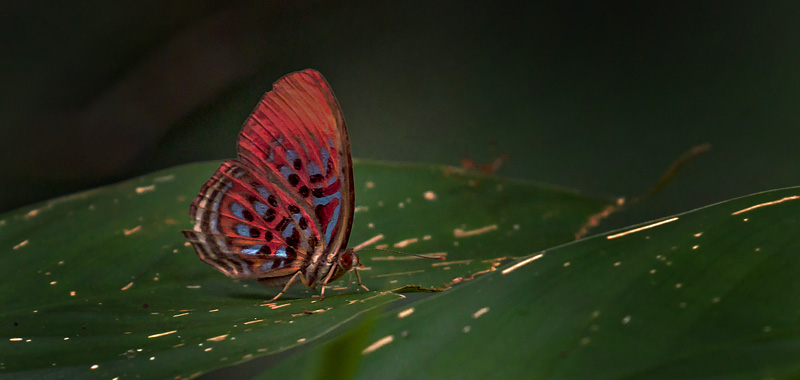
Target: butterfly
(282,212)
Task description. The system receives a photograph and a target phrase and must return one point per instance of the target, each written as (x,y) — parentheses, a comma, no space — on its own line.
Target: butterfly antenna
(433,257)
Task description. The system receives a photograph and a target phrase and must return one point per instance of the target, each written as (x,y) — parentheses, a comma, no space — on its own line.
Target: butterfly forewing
(298,137)
(287,201)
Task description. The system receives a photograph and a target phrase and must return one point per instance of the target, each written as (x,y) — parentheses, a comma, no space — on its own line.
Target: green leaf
(102,284)
(711,293)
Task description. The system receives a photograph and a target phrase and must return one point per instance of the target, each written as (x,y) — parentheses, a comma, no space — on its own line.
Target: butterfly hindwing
(247,228)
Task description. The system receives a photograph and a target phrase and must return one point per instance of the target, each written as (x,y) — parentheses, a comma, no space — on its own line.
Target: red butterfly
(283,210)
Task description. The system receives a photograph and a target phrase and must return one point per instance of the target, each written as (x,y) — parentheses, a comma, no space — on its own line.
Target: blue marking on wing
(252,250)
(286,171)
(328,199)
(291,155)
(281,252)
(287,231)
(242,230)
(214,228)
(238,210)
(313,169)
(332,223)
(325,156)
(263,192)
(261,208)
(267,265)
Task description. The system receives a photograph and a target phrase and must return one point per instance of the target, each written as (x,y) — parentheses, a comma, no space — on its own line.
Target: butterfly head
(347,260)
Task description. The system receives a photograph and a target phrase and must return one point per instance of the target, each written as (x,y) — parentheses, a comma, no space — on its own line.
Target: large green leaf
(711,293)
(102,283)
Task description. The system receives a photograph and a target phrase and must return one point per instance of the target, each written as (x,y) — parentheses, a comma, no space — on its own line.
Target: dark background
(600,97)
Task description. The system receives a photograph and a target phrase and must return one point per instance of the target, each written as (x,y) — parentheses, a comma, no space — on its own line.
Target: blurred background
(599,97)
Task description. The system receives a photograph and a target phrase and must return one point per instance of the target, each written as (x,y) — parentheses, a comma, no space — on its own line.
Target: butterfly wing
(289,197)
(297,137)
(245,227)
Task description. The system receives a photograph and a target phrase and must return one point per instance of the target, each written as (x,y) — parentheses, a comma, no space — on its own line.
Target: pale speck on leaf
(369,241)
(405,313)
(522,263)
(145,189)
(460,233)
(405,243)
(161,334)
(132,230)
(21,244)
(164,178)
(378,344)
(480,312)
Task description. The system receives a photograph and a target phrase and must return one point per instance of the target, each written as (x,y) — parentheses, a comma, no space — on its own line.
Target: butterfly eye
(347,260)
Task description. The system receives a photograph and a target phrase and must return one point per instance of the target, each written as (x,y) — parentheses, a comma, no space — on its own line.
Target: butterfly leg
(358,277)
(288,284)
